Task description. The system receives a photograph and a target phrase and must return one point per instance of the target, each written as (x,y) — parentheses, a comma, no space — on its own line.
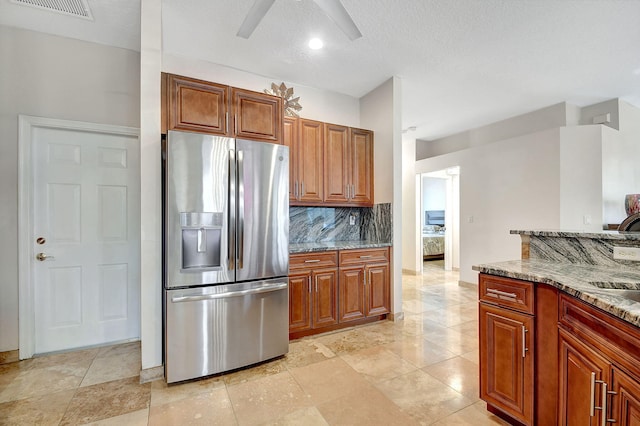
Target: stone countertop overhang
(578,281)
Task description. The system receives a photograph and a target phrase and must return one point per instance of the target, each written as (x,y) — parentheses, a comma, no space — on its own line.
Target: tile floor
(422,370)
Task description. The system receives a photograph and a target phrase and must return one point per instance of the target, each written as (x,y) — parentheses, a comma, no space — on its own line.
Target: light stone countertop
(333,245)
(576,280)
(602,235)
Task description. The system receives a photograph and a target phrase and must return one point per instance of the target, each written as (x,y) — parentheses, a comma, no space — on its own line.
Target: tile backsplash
(321,224)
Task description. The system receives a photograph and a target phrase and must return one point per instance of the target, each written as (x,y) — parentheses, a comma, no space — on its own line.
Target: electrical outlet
(626,253)
(352,219)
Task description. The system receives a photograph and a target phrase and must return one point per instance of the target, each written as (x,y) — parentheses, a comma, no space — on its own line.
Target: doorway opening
(439,224)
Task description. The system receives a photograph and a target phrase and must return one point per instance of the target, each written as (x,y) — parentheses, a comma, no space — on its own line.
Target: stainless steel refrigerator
(226,253)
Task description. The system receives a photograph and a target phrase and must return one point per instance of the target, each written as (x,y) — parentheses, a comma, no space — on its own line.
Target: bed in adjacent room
(433,235)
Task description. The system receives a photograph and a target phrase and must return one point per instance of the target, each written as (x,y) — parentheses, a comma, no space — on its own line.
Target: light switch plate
(626,253)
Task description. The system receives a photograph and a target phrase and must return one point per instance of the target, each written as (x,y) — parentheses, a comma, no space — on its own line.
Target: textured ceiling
(463,63)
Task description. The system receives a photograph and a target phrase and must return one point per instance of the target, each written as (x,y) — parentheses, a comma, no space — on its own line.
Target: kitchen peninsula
(560,330)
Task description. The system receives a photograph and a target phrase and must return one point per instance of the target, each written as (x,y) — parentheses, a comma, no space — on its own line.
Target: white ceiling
(463,63)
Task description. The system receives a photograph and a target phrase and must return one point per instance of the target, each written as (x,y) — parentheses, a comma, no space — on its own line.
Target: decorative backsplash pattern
(321,224)
(587,250)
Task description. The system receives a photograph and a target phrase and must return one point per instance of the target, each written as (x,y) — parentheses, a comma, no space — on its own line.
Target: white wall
(434,195)
(411,221)
(508,184)
(620,164)
(150,181)
(553,116)
(581,178)
(316,104)
(380,111)
(56,77)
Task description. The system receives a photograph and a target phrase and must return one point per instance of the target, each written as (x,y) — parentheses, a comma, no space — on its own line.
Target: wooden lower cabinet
(313,291)
(352,294)
(549,358)
(626,399)
(581,370)
(599,377)
(507,361)
(329,296)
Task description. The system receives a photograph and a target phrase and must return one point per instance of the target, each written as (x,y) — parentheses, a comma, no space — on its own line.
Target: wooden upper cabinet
(361,167)
(201,106)
(290,138)
(310,158)
(196,105)
(257,116)
(337,163)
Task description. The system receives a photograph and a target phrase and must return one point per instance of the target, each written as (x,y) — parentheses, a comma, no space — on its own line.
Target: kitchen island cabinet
(506,350)
(586,364)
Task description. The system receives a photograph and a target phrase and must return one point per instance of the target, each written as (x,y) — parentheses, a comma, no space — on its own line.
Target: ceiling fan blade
(340,16)
(253,18)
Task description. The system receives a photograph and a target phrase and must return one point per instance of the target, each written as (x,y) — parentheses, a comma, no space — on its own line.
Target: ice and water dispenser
(201,240)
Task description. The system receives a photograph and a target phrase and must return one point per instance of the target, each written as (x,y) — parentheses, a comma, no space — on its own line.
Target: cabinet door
(580,370)
(325,297)
(258,116)
(289,138)
(377,288)
(310,153)
(506,361)
(351,300)
(626,399)
(197,105)
(362,167)
(299,302)
(337,164)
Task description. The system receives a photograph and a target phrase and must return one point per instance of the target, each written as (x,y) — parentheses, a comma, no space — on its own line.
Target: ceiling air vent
(77,8)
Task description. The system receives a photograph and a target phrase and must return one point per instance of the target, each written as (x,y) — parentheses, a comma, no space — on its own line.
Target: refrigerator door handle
(231,238)
(225,295)
(240,209)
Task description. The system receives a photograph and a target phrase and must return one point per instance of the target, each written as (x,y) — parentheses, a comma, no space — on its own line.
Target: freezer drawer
(213,329)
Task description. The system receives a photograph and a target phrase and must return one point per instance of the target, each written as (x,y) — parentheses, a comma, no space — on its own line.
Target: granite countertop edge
(602,235)
(334,245)
(575,280)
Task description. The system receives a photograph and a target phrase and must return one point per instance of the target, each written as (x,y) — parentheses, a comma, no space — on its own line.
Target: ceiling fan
(333,8)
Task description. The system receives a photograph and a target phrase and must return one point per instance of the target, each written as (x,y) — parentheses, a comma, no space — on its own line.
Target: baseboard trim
(410,272)
(467,284)
(8,357)
(151,374)
(397,316)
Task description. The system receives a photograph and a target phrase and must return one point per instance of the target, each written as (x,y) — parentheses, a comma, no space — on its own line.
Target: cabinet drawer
(507,292)
(323,259)
(358,257)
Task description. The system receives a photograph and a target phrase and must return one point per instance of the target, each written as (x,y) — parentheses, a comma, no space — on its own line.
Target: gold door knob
(42,257)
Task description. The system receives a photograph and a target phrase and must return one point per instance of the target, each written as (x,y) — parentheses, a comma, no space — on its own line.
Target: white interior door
(85,220)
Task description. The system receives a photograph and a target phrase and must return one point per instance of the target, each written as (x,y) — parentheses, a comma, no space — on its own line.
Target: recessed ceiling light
(315,43)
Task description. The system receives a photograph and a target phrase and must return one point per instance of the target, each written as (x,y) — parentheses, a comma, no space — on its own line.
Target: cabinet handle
(347,188)
(353,192)
(366,257)
(312,261)
(592,404)
(295,190)
(302,188)
(316,284)
(226,121)
(604,404)
(593,407)
(524,342)
(502,293)
(309,282)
